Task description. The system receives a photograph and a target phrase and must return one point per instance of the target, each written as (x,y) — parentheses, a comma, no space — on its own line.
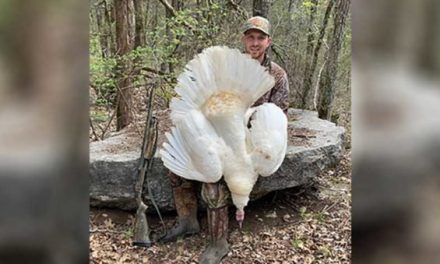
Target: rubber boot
(186,206)
(218,245)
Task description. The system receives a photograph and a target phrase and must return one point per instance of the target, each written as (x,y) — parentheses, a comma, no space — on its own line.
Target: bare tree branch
(239,9)
(315,97)
(148,69)
(174,14)
(108,123)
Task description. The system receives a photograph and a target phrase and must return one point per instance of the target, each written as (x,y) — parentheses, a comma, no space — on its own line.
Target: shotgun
(149,145)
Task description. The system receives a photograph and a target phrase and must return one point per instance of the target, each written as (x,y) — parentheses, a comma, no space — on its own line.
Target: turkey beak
(240,224)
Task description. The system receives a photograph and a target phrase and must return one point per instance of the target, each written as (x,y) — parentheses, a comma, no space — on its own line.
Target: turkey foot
(184,228)
(215,252)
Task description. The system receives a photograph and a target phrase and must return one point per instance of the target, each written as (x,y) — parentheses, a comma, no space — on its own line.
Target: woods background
(137,44)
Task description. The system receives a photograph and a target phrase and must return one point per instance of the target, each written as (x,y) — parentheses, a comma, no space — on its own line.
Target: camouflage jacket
(279,94)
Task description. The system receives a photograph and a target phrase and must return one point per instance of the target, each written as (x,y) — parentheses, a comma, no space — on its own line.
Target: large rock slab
(314,145)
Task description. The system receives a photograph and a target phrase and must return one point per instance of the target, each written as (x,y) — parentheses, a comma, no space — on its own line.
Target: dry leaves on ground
(308,224)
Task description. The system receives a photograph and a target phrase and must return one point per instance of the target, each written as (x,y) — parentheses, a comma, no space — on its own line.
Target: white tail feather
(192,151)
(219,69)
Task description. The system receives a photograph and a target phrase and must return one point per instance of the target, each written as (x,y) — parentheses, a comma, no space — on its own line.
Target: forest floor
(306,224)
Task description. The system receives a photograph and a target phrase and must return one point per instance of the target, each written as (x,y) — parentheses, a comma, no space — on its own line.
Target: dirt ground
(307,224)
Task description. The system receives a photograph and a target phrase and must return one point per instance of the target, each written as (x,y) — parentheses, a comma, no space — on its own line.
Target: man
(256,40)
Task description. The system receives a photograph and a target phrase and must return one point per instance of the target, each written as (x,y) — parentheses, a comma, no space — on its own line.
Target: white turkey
(216,132)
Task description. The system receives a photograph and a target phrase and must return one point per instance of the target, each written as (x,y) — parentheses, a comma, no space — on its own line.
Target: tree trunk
(99,20)
(109,19)
(139,39)
(290,7)
(310,39)
(100,29)
(310,35)
(177,4)
(155,16)
(164,66)
(208,16)
(124,45)
(327,81)
(261,8)
(131,22)
(310,71)
(139,33)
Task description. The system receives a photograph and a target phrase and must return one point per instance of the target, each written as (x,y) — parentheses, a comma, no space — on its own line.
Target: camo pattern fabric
(215,195)
(279,94)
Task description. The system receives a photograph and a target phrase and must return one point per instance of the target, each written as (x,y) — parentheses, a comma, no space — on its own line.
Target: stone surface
(314,145)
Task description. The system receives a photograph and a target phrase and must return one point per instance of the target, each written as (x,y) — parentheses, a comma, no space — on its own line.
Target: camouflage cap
(258,23)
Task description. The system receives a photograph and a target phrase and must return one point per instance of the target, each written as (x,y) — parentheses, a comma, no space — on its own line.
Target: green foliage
(98,116)
(102,76)
(172,41)
(308,6)
(129,233)
(297,243)
(303,213)
(188,31)
(320,217)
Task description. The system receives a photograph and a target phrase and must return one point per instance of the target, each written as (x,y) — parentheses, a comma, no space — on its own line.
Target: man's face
(255,43)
